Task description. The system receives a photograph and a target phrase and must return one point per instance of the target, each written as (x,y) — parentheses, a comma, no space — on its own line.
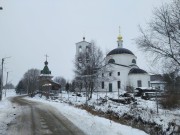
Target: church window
(139,83)
(102,74)
(87,49)
(110,74)
(118,73)
(87,59)
(80,49)
(102,85)
(111,61)
(79,59)
(119,84)
(149,84)
(134,61)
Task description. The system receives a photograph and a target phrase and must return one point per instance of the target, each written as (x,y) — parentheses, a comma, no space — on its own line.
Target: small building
(46,85)
(157,82)
(50,87)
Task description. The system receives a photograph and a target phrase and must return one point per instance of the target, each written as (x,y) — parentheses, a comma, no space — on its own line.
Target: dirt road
(40,119)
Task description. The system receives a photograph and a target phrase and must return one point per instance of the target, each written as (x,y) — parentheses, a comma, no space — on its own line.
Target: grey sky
(29,29)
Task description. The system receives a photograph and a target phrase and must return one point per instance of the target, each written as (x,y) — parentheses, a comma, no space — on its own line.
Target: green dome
(46,69)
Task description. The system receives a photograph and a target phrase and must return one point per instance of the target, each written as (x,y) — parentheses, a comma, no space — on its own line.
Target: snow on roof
(145,88)
(45,75)
(48,84)
(157,82)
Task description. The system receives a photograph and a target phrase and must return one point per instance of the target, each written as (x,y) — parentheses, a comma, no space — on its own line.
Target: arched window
(87,59)
(79,59)
(102,85)
(80,49)
(111,61)
(134,61)
(87,49)
(110,74)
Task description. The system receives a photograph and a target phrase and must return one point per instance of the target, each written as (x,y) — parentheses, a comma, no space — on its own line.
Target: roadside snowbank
(146,109)
(7,111)
(167,121)
(90,124)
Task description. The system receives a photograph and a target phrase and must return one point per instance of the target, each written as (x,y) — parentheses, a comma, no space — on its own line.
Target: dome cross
(46,56)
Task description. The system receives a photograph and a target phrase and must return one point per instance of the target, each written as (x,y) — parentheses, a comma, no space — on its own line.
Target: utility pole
(1,79)
(157,102)
(118,93)
(97,96)
(6,83)
(2,64)
(1,8)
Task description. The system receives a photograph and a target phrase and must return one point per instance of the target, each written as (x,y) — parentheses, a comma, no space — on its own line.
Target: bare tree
(20,88)
(87,68)
(30,80)
(162,38)
(172,93)
(0,76)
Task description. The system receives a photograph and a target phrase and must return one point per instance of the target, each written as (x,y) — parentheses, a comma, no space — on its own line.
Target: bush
(170,101)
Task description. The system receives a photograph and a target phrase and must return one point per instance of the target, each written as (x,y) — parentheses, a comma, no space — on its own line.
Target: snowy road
(40,119)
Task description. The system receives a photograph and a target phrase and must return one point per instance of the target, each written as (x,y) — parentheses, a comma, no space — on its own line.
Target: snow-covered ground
(94,125)
(7,111)
(146,109)
(90,124)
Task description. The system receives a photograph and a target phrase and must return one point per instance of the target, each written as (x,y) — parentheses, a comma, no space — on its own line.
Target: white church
(124,72)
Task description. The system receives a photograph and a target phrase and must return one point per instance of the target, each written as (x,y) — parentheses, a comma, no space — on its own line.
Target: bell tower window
(111,61)
(134,61)
(87,49)
(80,48)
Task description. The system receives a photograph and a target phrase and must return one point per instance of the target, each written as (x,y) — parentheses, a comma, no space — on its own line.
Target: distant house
(46,85)
(156,81)
(148,92)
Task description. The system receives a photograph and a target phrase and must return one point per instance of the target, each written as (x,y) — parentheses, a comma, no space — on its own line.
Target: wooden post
(6,83)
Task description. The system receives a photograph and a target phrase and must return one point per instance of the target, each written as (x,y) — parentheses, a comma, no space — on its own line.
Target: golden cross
(119,30)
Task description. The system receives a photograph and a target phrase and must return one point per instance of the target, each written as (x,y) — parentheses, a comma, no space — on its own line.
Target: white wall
(114,78)
(133,78)
(124,59)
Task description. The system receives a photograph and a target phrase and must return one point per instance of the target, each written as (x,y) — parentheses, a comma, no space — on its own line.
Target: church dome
(137,71)
(120,51)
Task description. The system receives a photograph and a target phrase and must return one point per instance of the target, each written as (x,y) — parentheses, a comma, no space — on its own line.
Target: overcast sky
(29,29)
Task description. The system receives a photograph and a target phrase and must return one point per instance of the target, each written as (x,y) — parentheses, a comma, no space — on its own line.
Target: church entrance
(110,87)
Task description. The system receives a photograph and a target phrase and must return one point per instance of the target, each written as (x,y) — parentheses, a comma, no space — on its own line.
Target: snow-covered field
(90,124)
(146,109)
(7,111)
